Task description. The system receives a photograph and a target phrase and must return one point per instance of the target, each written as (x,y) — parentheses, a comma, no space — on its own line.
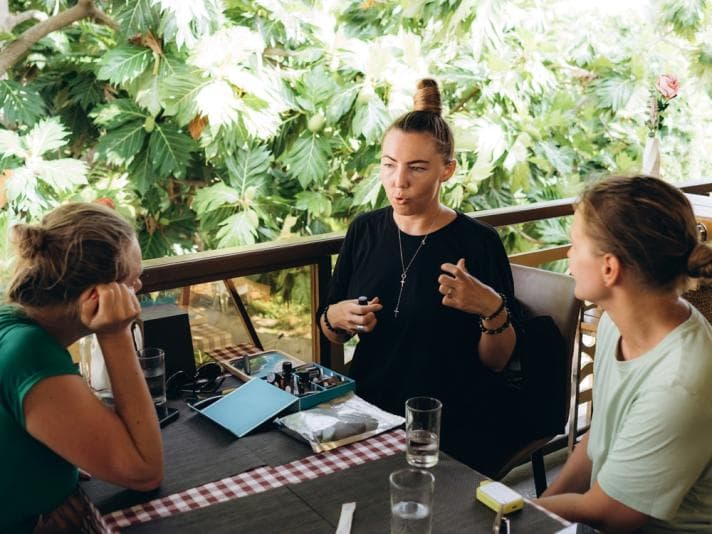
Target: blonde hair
(76,245)
(649,226)
(426,117)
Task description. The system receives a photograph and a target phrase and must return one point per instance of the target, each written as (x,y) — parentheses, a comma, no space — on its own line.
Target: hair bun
(699,263)
(427,97)
(30,240)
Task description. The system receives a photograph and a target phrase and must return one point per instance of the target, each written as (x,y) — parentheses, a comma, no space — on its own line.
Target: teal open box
(310,400)
(258,401)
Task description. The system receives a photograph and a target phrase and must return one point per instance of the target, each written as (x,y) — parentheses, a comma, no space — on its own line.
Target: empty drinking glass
(93,368)
(411,501)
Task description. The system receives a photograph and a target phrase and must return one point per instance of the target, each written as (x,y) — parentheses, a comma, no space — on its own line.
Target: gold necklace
(404,267)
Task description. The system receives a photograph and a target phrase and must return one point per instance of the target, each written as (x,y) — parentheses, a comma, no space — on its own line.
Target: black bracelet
(499,329)
(498,310)
(337,331)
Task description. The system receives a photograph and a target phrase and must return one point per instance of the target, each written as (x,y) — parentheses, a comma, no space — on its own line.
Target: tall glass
(422,431)
(411,501)
(153,364)
(93,368)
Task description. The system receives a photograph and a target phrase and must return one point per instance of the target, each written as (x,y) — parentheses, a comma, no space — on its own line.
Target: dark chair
(546,293)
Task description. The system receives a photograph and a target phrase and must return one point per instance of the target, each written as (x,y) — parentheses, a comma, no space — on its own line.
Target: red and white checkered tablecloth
(230,352)
(261,479)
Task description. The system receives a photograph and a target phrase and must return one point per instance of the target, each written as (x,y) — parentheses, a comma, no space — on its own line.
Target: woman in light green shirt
(646,462)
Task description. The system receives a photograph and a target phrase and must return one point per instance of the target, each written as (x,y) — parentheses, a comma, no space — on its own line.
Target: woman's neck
(56,321)
(425,223)
(644,319)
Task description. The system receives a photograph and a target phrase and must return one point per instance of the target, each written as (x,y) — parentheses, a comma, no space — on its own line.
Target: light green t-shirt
(34,479)
(651,435)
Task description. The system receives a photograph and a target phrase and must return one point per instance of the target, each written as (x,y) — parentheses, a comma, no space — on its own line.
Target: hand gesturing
(464,292)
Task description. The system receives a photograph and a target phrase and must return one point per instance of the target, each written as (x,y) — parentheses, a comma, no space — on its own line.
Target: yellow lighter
(497,496)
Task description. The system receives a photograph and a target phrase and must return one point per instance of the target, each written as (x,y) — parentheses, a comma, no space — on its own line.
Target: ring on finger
(360,328)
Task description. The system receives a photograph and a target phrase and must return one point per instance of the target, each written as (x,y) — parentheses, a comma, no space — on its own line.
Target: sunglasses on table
(206,380)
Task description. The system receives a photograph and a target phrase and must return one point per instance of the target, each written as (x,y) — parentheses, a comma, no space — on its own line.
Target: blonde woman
(646,462)
(77,274)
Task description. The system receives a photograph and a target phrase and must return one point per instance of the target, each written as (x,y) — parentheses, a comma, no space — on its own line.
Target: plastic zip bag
(338,422)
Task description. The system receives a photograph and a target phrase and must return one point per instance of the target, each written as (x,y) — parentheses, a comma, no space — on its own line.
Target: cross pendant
(395,313)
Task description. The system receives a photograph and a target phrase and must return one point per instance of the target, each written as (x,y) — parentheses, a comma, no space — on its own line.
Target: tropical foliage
(219,123)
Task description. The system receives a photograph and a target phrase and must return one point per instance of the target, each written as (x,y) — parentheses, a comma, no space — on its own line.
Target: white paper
(347,514)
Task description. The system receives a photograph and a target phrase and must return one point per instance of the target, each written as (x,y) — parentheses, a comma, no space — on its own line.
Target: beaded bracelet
(337,331)
(498,310)
(499,329)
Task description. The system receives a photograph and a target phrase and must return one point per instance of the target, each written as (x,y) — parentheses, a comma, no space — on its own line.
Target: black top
(429,349)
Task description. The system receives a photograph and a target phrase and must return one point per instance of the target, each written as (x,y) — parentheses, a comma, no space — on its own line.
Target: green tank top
(34,479)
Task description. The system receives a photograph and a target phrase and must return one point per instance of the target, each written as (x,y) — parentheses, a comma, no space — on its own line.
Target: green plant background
(223,123)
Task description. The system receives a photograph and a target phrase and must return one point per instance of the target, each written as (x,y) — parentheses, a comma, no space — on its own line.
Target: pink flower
(668,86)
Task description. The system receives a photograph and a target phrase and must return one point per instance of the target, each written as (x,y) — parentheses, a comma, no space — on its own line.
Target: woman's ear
(611,270)
(449,170)
(89,294)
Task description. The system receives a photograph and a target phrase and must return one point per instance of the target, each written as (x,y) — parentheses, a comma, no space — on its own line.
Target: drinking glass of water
(411,501)
(422,431)
(153,364)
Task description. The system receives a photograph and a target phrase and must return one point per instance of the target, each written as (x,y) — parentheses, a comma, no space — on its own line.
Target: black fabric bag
(539,370)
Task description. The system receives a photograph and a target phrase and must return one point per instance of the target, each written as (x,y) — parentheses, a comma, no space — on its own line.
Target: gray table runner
(454,510)
(196,451)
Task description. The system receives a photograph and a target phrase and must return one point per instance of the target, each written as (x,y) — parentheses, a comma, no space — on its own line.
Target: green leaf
(20,104)
(137,17)
(614,93)
(370,119)
(120,146)
(340,104)
(367,191)
(118,112)
(520,177)
(179,91)
(317,204)
(316,87)
(124,63)
(685,16)
(248,168)
(215,196)
(561,158)
(626,164)
(308,159)
(170,150)
(85,90)
(701,63)
(141,172)
(47,135)
(144,89)
(238,229)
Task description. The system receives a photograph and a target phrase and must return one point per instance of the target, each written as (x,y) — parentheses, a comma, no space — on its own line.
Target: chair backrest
(543,292)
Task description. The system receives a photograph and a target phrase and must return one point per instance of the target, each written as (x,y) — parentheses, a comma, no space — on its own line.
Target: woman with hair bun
(77,273)
(646,462)
(439,286)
